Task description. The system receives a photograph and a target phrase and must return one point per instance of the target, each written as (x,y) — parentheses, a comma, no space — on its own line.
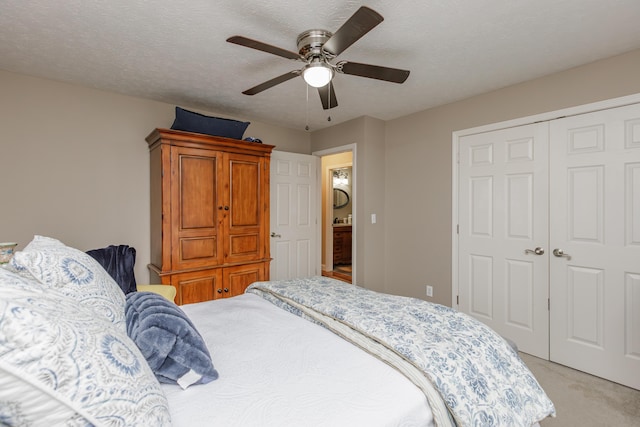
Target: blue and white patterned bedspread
(475,372)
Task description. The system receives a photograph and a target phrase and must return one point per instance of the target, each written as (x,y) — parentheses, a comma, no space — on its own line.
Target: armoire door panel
(197,180)
(197,286)
(194,208)
(245,219)
(244,245)
(197,248)
(237,279)
(245,193)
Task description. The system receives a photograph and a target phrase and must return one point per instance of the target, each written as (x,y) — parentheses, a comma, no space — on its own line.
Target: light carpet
(585,400)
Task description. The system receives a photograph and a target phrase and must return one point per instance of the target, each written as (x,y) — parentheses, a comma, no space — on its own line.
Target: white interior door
(595,221)
(502,238)
(294,216)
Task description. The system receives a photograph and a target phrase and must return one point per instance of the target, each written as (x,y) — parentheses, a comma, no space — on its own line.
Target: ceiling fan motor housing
(310,43)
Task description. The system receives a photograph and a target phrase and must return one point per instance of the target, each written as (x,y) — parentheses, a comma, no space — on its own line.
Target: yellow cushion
(167,291)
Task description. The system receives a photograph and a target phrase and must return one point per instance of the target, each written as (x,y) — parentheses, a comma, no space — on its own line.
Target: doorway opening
(338,214)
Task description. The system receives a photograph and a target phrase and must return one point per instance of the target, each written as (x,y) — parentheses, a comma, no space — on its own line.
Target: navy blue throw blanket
(118,261)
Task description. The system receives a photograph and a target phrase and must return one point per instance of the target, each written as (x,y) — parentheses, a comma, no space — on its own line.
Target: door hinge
(548,304)
(458,299)
(457,228)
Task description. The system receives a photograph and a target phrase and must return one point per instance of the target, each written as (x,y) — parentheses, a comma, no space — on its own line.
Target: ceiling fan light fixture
(317,74)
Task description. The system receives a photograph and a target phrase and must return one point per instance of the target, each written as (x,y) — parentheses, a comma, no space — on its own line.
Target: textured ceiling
(175,51)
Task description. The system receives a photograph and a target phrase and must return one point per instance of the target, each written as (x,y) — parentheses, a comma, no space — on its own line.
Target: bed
(278,369)
(75,350)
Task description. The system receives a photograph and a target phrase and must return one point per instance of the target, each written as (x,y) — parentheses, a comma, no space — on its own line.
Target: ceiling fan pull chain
(329,116)
(307,108)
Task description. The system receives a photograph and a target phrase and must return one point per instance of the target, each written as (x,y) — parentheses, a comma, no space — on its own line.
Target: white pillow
(62,364)
(34,407)
(75,273)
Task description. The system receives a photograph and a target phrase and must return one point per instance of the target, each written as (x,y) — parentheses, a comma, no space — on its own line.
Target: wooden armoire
(209,214)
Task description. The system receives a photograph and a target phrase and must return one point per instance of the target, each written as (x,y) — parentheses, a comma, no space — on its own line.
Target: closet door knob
(226,289)
(219,291)
(226,208)
(536,251)
(560,253)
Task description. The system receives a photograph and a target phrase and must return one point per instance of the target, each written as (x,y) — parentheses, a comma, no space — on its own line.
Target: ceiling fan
(317,48)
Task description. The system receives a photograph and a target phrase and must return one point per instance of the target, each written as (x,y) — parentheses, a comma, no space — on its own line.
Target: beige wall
(347,133)
(75,163)
(76,167)
(369,177)
(418,164)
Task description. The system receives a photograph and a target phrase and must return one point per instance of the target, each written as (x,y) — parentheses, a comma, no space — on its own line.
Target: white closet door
(595,221)
(503,218)
(293,211)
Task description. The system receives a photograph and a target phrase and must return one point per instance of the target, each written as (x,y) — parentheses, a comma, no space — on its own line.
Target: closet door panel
(503,218)
(595,211)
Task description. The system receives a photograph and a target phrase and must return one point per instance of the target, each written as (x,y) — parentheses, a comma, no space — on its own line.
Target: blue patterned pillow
(174,349)
(74,273)
(61,364)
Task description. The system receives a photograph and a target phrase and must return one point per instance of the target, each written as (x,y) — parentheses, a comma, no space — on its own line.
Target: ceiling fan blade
(254,44)
(394,75)
(360,23)
(328,96)
(271,83)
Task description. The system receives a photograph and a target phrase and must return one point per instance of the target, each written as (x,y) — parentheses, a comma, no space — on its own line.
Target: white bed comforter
(277,369)
(475,372)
